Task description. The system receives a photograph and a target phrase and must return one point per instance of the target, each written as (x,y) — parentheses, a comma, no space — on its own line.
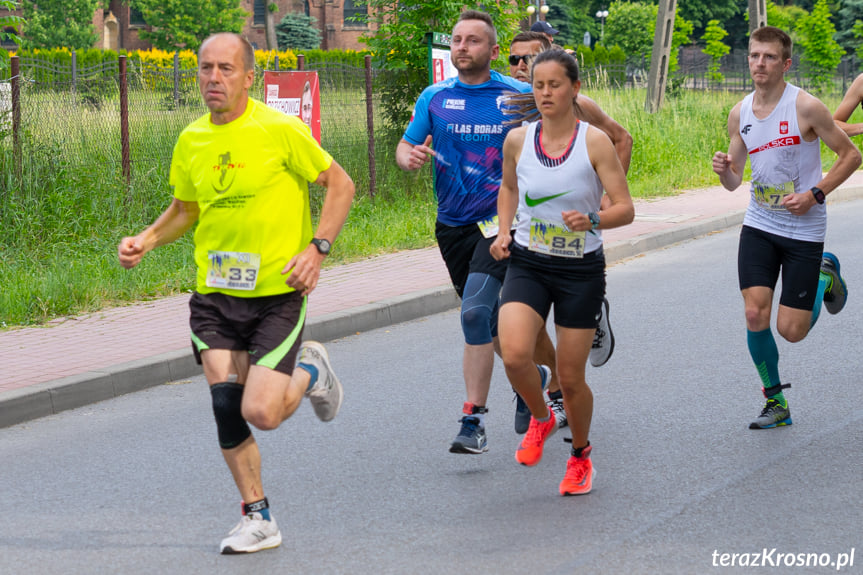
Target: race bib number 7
(770,195)
(232,270)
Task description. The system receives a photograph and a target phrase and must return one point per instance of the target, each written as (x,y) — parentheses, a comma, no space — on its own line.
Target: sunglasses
(514,60)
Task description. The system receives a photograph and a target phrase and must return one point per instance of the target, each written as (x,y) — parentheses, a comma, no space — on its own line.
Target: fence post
(176,79)
(277,62)
(74,70)
(125,153)
(844,62)
(370,126)
(16,113)
(301,62)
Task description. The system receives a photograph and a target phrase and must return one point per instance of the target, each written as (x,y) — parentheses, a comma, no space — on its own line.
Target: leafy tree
(572,19)
(822,53)
(849,13)
(298,32)
(715,48)
(701,12)
(397,39)
(785,17)
(632,25)
(59,24)
(179,24)
(9,21)
(858,34)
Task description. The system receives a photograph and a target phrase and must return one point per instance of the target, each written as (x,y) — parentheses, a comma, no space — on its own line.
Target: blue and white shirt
(466,123)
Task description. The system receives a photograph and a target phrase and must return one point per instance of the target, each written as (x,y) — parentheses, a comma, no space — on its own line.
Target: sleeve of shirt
(179,175)
(304,155)
(420,125)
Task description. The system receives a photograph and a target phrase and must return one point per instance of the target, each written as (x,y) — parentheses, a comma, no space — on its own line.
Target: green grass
(61,219)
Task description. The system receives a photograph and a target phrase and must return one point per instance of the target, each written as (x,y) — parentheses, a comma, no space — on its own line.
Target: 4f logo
(783,128)
(746,129)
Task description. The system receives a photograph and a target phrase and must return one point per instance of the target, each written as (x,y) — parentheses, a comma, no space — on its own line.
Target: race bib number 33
(232,270)
(555,240)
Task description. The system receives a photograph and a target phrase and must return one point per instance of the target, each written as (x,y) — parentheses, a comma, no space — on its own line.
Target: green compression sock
(823,282)
(765,355)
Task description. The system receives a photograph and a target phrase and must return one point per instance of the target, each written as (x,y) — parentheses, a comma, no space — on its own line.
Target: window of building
(7,42)
(260,13)
(136,18)
(356,14)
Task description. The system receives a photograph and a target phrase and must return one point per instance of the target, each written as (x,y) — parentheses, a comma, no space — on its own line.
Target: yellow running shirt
(249,178)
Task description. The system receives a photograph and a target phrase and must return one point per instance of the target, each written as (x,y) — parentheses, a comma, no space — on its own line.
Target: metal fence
(125,122)
(122,117)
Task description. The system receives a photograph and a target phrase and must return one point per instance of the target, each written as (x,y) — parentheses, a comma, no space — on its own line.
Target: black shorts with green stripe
(269,328)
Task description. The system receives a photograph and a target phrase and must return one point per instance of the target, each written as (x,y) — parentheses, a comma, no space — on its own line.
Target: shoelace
(469,424)
(597,338)
(770,406)
(576,469)
(534,432)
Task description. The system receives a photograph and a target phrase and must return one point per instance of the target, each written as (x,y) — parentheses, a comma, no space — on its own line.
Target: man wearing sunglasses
(522,49)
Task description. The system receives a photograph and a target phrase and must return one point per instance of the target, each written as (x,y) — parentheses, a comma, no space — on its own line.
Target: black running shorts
(270,328)
(574,286)
(762,255)
(465,251)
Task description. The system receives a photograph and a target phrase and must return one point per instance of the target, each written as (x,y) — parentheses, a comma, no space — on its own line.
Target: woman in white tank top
(554,172)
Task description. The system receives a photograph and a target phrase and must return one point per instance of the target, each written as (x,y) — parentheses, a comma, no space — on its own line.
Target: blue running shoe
(471,438)
(522,413)
(837,292)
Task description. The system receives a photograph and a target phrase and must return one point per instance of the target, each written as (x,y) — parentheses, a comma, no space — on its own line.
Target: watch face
(322,245)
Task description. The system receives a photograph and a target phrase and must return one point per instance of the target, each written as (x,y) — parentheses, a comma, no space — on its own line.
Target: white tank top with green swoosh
(545,192)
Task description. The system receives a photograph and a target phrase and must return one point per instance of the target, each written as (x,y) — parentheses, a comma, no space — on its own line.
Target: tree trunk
(270,26)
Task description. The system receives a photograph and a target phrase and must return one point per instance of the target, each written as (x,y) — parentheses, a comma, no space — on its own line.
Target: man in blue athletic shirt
(464,117)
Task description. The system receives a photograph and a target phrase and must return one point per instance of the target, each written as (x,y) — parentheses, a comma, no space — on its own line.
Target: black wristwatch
(594,220)
(322,245)
(819,195)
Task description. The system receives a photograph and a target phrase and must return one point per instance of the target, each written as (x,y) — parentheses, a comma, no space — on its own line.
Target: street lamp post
(602,15)
(540,6)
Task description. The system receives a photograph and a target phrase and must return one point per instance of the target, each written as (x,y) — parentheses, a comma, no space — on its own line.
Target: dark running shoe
(837,292)
(773,415)
(471,438)
(522,412)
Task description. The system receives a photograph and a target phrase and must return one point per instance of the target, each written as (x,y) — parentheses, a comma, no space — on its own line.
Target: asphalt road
(137,484)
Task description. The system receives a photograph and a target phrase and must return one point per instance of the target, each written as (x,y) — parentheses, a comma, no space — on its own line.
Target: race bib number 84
(232,270)
(555,240)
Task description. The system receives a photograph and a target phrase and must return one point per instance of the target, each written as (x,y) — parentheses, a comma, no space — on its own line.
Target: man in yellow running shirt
(241,171)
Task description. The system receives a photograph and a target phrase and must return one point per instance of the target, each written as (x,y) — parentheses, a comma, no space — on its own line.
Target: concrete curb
(19,406)
(22,405)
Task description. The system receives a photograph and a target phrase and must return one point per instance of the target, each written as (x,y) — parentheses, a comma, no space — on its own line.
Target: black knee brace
(227,407)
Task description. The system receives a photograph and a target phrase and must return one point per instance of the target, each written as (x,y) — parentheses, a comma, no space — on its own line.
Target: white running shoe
(556,407)
(603,340)
(327,393)
(253,533)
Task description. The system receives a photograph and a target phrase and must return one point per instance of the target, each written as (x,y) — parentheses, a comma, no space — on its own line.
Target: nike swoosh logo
(531,202)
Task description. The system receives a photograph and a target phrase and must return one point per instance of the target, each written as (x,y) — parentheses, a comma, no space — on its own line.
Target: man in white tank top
(779,128)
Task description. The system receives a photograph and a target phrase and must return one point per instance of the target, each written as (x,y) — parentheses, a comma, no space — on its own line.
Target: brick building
(118,26)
